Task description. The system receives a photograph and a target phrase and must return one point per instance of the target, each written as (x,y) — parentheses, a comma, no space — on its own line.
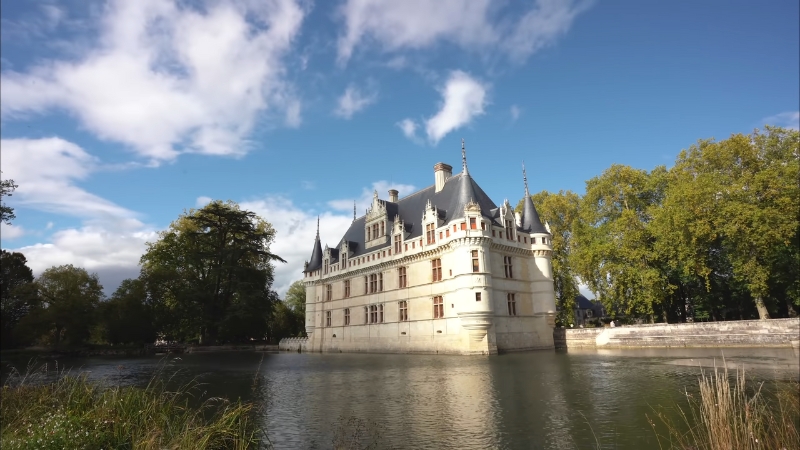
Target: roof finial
(317,227)
(354,210)
(525,179)
(464,157)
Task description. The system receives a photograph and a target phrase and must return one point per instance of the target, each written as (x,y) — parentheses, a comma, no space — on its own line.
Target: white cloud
(789,119)
(409,128)
(463,98)
(296,229)
(353,100)
(165,77)
(46,171)
(515,112)
(365,199)
(10,232)
(308,185)
(474,25)
(202,201)
(114,256)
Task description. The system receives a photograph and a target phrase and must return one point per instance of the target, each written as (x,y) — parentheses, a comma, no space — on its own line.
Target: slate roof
(457,191)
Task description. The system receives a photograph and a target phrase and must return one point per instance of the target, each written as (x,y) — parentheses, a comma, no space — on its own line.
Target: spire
(525,179)
(354,210)
(464,158)
(317,227)
(531,223)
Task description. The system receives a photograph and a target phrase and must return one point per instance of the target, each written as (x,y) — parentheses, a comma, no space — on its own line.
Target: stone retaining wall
(743,333)
(296,344)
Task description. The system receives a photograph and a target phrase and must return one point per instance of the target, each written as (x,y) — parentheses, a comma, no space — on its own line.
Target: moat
(546,399)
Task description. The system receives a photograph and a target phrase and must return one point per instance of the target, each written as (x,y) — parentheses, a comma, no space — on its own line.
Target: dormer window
(430,233)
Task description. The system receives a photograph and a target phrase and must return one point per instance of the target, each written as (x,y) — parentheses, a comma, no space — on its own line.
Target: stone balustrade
(295,344)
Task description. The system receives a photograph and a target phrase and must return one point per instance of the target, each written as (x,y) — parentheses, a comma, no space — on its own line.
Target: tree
(211,266)
(735,203)
(560,211)
(296,297)
(17,294)
(70,296)
(127,317)
(6,212)
(614,251)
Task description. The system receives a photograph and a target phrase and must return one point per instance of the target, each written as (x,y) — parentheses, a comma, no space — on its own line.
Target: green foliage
(70,296)
(127,317)
(296,297)
(209,274)
(73,412)
(7,187)
(18,295)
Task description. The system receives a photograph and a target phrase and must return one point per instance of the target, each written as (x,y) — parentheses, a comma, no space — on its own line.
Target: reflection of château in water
(442,270)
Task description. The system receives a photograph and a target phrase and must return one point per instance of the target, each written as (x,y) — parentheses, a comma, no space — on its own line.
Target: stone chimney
(393,195)
(518,218)
(441,173)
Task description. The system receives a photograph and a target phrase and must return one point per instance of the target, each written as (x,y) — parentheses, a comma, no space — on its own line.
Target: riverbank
(744,333)
(72,412)
(108,350)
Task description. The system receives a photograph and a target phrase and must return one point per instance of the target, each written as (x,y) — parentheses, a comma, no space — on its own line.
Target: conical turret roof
(316,254)
(530,218)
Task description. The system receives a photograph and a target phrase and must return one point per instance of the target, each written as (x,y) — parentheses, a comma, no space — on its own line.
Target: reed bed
(735,413)
(72,412)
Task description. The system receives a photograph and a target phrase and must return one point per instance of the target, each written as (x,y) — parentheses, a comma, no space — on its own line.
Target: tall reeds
(735,414)
(74,412)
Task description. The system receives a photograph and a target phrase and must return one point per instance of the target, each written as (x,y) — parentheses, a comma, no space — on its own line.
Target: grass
(73,412)
(735,414)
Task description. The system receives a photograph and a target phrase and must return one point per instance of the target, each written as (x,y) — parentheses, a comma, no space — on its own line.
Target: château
(442,270)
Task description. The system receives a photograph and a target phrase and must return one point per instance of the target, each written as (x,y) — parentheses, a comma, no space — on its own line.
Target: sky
(118,116)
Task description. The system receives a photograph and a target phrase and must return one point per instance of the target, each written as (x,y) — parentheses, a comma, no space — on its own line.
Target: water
(547,400)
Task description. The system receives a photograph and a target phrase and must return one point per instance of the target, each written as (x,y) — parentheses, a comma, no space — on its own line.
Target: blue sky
(117,116)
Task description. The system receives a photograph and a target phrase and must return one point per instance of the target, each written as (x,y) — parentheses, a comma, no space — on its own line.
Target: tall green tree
(18,294)
(70,296)
(127,317)
(296,297)
(734,206)
(7,187)
(614,251)
(211,266)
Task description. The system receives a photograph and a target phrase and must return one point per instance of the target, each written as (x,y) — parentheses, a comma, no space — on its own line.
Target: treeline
(715,237)
(207,279)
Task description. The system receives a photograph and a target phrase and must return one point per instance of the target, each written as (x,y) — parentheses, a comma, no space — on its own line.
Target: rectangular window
(373,283)
(438,308)
(526,239)
(475,265)
(327,318)
(454,229)
(436,270)
(380,313)
(380,282)
(493,233)
(413,244)
(347,316)
(369,234)
(366,285)
(483,225)
(373,313)
(463,225)
(346,288)
(366,315)
(383,228)
(403,311)
(477,296)
(512,305)
(328,293)
(440,235)
(509,230)
(430,233)
(473,223)
(447,232)
(406,247)
(533,240)
(509,270)
(403,281)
